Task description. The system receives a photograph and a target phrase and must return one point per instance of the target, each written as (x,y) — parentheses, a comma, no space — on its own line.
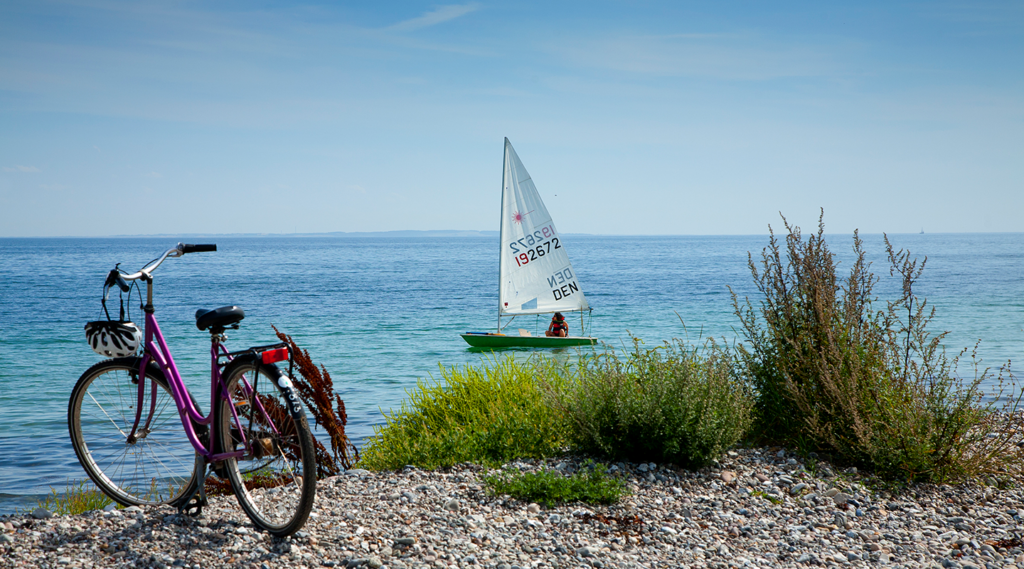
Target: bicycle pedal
(193,508)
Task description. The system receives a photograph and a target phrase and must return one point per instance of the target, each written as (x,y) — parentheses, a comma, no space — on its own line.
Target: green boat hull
(502,341)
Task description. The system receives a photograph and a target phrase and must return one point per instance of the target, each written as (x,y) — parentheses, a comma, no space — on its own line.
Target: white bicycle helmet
(113,339)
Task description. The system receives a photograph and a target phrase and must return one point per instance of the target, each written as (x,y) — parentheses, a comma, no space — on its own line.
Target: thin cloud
(722,56)
(21,169)
(437,16)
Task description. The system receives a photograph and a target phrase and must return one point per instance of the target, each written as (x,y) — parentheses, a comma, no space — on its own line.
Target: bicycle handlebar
(179,250)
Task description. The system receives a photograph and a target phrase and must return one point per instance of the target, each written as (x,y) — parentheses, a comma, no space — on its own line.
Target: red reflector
(277,355)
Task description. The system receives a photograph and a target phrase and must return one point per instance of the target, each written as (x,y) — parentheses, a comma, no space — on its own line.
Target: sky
(634,118)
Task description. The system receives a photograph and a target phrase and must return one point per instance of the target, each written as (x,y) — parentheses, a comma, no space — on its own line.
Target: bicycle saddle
(219,317)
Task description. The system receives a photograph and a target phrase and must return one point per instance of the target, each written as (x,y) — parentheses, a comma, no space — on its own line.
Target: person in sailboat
(558,326)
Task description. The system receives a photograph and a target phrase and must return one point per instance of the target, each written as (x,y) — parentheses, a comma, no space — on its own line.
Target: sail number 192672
(537,252)
(534,245)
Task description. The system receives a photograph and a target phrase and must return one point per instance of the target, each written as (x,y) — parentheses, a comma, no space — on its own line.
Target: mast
(501,226)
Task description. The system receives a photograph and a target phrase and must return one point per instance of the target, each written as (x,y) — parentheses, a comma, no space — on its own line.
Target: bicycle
(146,446)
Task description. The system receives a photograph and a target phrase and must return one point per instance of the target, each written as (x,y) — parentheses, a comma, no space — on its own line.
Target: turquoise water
(381,313)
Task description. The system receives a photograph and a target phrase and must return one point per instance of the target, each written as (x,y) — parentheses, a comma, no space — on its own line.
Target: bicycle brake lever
(114,278)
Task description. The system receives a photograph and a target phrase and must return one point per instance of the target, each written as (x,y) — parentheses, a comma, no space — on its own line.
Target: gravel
(768,511)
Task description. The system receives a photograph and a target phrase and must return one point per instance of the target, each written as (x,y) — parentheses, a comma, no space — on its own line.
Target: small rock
(374,563)
(41,513)
(586,551)
(405,541)
(840,498)
(807,558)
(452,505)
(728,476)
(761,477)
(831,492)
(533,508)
(4,538)
(797,489)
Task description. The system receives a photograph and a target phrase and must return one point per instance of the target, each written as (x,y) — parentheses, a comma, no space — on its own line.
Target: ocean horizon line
(445,233)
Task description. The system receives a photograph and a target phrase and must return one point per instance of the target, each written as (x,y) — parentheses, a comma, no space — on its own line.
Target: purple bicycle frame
(159,352)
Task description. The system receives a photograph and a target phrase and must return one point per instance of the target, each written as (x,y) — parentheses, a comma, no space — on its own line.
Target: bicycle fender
(287,389)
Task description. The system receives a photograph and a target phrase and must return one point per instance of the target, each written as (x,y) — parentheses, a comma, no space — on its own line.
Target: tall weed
(872,387)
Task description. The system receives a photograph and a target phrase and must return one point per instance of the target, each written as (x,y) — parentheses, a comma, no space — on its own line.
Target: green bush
(550,487)
(872,388)
(666,404)
(489,414)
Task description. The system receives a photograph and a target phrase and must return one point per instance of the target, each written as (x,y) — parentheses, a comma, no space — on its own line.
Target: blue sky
(633,118)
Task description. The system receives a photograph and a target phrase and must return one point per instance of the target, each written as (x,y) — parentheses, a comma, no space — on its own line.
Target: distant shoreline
(435,233)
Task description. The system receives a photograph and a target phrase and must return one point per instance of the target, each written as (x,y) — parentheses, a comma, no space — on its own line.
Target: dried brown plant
(316,389)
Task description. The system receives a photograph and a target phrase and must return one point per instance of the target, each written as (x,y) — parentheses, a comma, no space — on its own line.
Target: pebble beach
(753,508)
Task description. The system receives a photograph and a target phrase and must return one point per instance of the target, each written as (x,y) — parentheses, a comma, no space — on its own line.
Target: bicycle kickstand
(192,504)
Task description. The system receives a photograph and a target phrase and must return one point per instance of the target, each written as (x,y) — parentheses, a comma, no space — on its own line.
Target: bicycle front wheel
(156,465)
(275,479)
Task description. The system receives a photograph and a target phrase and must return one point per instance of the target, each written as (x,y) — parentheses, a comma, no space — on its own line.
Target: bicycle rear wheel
(275,481)
(157,466)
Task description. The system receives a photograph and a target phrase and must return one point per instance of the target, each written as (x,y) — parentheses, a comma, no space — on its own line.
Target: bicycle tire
(275,481)
(158,467)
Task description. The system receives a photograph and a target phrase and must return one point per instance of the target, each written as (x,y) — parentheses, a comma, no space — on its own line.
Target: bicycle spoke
(123,434)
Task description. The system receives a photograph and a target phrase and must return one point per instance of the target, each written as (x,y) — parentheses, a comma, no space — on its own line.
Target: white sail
(536,276)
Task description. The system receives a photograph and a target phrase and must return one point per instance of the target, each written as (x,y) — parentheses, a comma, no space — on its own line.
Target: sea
(384,312)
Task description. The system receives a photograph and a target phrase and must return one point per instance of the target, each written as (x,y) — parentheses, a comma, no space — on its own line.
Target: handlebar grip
(186,248)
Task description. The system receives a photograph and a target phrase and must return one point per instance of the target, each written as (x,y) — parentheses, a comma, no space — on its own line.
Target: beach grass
(77,498)
(592,485)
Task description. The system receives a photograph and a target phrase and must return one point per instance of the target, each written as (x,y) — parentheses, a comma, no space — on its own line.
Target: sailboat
(535,275)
